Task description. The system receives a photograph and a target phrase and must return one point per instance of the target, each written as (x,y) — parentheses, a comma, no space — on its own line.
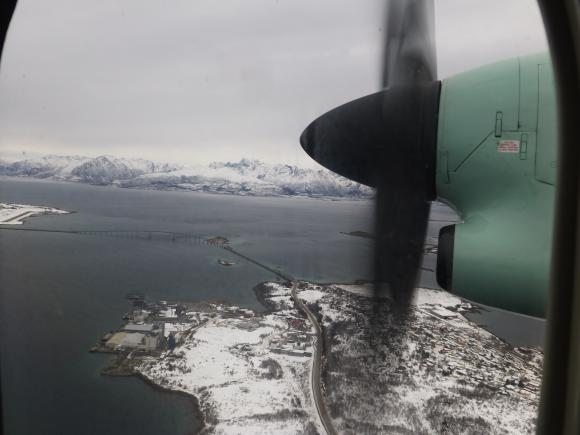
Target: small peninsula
(16,214)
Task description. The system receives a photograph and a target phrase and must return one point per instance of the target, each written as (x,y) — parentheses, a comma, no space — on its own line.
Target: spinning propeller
(387,140)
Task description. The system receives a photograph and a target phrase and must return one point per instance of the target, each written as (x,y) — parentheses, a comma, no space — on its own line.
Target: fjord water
(61,292)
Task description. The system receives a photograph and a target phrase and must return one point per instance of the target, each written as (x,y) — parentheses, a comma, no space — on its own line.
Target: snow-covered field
(15,214)
(433,372)
(249,372)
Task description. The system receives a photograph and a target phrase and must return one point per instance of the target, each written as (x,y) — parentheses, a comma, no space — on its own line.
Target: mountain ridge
(247,177)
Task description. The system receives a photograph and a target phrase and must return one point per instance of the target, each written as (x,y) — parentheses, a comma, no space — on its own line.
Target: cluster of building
(294,343)
(148,327)
(218,241)
(430,371)
(296,340)
(476,357)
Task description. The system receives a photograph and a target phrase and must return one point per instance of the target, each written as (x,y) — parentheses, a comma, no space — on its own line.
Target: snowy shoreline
(249,371)
(16,214)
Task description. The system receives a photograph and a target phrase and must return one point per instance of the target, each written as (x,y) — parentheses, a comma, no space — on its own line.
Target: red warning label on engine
(508,146)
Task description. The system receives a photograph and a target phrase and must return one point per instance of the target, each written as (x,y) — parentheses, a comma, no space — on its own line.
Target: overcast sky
(199,80)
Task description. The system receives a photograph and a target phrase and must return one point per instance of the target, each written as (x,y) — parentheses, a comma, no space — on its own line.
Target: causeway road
(316,365)
(317,356)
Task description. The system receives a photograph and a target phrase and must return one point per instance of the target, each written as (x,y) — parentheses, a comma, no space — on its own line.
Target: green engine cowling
(496,165)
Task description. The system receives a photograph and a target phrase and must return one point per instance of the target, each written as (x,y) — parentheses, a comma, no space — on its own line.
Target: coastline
(12,214)
(193,399)
(232,365)
(124,366)
(190,191)
(115,371)
(111,371)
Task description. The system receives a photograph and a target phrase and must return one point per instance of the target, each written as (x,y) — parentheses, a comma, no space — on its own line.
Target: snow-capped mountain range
(246,177)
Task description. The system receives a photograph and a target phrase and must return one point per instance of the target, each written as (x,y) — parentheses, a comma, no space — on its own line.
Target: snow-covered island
(15,214)
(251,372)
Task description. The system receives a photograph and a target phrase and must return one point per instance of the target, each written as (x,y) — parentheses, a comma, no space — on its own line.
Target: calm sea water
(61,292)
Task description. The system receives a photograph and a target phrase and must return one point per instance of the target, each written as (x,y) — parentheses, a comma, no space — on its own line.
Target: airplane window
(274,216)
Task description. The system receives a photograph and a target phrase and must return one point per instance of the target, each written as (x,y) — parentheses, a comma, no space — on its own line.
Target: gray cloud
(202,80)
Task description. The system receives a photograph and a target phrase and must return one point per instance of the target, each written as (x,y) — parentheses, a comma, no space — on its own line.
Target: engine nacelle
(496,166)
(495,264)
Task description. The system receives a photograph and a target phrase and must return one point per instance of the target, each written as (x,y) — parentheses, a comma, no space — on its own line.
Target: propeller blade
(401,227)
(405,187)
(402,207)
(409,54)
(388,140)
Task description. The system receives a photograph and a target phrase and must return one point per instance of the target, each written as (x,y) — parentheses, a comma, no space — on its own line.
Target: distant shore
(16,214)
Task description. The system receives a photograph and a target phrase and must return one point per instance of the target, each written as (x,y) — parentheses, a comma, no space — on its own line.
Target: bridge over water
(146,235)
(167,236)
